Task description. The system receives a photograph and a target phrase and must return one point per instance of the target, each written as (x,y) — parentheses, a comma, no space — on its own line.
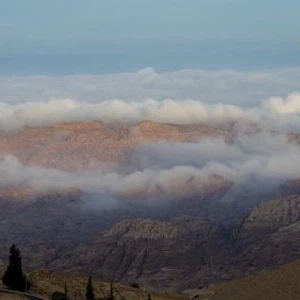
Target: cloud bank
(276,113)
(182,97)
(242,88)
(259,162)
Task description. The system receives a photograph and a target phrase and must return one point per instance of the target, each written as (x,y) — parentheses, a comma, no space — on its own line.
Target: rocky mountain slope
(188,252)
(87,145)
(190,241)
(154,253)
(180,253)
(269,235)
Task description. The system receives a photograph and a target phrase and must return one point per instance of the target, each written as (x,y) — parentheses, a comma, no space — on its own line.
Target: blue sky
(149,29)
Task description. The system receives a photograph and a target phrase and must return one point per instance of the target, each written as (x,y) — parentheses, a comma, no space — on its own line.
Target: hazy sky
(149,32)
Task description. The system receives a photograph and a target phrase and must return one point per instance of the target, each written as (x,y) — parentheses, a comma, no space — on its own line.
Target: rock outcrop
(154,253)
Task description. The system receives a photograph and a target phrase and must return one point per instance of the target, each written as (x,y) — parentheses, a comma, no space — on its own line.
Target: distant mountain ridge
(88,145)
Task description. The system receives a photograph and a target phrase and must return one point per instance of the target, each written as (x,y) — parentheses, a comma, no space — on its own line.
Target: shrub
(135,285)
(58,296)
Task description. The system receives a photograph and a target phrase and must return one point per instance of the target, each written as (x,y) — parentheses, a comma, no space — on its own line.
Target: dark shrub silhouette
(135,285)
(58,296)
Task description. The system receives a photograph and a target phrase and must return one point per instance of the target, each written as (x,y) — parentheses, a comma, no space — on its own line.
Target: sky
(99,36)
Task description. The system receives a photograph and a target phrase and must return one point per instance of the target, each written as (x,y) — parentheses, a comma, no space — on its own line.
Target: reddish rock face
(87,145)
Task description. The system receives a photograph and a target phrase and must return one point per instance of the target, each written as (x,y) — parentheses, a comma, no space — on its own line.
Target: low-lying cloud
(257,163)
(242,88)
(275,113)
(182,97)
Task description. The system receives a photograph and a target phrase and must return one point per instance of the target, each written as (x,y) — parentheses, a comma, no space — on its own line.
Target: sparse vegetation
(46,282)
(57,286)
(135,285)
(58,296)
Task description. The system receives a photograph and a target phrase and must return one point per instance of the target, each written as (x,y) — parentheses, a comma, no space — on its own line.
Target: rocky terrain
(181,253)
(190,241)
(154,253)
(88,145)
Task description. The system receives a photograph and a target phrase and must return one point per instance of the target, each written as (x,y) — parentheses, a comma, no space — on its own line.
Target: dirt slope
(45,283)
(282,283)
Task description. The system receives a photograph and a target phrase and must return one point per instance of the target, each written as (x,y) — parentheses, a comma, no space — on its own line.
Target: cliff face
(272,215)
(154,253)
(269,235)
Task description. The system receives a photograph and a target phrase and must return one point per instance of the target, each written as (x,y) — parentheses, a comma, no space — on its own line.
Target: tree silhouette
(66,291)
(111,292)
(58,296)
(14,277)
(90,295)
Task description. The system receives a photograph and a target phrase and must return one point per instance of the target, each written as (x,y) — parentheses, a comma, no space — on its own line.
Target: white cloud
(290,105)
(183,97)
(243,88)
(275,113)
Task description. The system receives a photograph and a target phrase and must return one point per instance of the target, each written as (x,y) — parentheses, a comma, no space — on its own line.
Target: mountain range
(188,242)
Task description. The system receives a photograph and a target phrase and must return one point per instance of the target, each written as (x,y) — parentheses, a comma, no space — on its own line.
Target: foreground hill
(9,296)
(45,283)
(278,284)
